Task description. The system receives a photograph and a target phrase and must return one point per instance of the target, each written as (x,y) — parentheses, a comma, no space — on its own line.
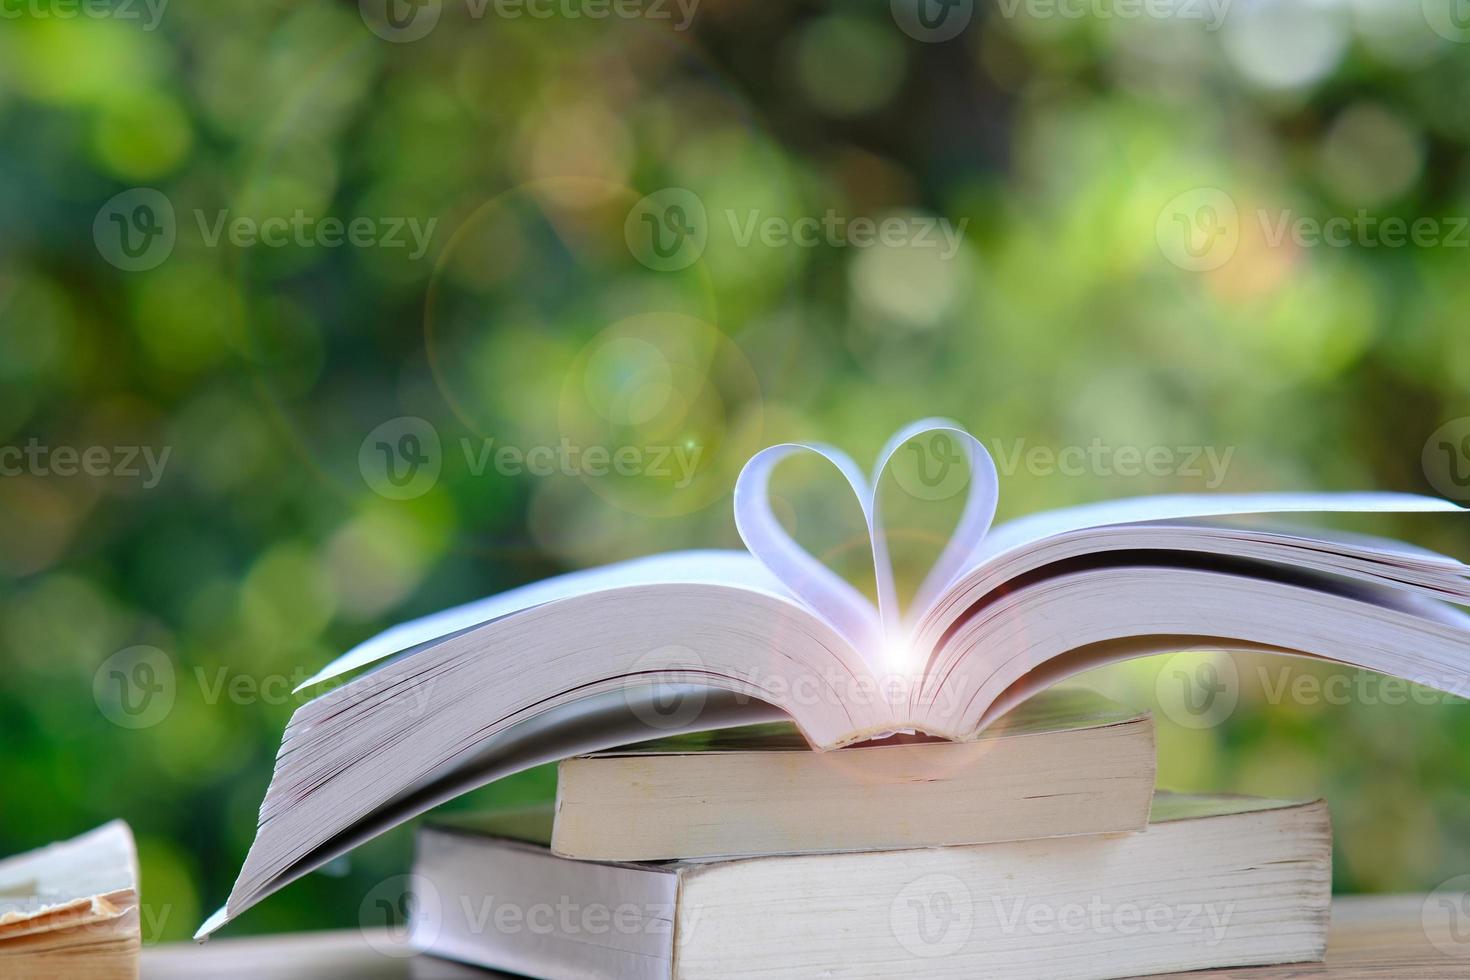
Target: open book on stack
(705,640)
(1036,852)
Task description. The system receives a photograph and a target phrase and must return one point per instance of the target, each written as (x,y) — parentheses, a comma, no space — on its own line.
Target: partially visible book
(71,909)
(1069,761)
(1212,882)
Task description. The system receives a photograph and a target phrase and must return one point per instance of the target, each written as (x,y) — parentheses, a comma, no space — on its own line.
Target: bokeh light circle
(487,304)
(671,408)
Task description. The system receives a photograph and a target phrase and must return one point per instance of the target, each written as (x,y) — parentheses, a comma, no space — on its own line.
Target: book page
(1173,507)
(734,568)
(580,727)
(70,877)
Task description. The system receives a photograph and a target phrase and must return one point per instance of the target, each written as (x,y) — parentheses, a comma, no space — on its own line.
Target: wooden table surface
(1372,936)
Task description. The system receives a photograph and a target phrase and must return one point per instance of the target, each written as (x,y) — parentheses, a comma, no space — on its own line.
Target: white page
(735,568)
(98,863)
(740,569)
(1172,507)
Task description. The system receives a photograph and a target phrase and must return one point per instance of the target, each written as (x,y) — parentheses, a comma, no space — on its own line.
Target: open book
(703,640)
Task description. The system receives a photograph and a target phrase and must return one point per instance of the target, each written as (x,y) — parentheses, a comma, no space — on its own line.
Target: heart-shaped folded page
(875,631)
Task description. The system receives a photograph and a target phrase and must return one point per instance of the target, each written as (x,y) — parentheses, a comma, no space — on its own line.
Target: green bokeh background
(1069,316)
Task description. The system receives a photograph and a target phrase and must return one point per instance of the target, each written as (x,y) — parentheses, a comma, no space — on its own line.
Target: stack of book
(1040,850)
(705,640)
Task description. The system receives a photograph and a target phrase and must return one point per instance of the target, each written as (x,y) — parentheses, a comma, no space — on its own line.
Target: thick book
(711,639)
(1066,762)
(71,909)
(1212,882)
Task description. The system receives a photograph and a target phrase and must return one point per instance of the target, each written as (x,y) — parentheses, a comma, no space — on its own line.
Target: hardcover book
(1212,882)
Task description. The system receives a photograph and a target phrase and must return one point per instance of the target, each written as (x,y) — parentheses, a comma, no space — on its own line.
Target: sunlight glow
(900,657)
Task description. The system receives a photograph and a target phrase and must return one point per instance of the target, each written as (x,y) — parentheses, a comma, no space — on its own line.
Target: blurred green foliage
(537,317)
